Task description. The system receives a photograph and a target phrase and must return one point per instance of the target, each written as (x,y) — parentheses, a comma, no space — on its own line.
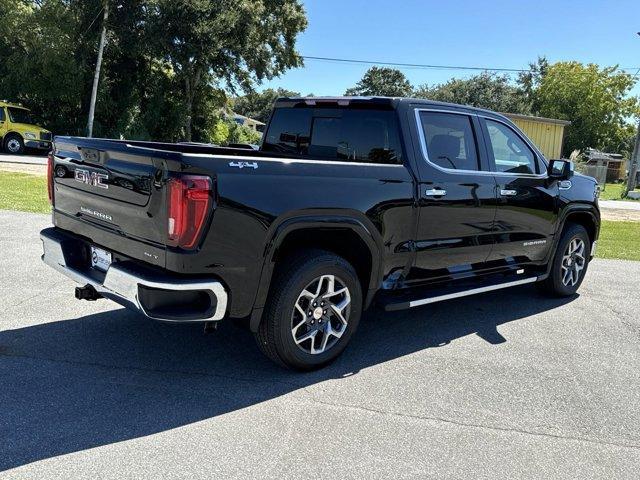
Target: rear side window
(450,140)
(289,131)
(355,135)
(511,154)
(1,114)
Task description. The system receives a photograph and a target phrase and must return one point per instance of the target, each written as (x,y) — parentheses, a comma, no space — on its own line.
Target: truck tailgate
(113,194)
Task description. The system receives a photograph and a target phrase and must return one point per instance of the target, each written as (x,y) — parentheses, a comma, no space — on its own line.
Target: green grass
(24,192)
(613,191)
(28,193)
(619,240)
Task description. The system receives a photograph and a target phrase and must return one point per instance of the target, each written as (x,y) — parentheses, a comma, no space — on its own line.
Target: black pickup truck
(348,202)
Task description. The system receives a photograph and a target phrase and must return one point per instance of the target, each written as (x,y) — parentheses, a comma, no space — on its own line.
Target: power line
(428,66)
(414,65)
(92,22)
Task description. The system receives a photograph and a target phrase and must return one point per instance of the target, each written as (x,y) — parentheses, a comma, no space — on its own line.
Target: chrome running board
(439,296)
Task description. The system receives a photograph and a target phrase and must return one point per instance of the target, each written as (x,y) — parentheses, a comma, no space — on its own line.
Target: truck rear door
(456,195)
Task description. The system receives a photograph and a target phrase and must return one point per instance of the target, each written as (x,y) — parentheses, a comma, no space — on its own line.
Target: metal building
(546,133)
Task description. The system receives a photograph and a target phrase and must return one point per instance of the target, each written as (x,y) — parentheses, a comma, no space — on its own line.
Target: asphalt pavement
(509,384)
(25,159)
(619,204)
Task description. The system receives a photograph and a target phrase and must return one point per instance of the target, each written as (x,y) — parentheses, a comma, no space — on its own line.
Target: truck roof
(392,102)
(5,103)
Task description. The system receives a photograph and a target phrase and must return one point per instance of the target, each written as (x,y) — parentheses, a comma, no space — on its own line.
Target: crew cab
(348,202)
(18,129)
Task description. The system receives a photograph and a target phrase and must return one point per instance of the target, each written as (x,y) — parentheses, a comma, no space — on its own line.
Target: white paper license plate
(100,259)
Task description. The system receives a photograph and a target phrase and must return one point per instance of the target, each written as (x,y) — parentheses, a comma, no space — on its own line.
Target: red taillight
(188,206)
(50,177)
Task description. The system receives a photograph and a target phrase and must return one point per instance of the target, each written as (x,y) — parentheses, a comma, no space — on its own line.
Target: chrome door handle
(508,193)
(435,192)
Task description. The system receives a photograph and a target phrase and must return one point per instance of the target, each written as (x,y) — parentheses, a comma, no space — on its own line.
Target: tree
(486,90)
(37,63)
(596,102)
(48,51)
(156,52)
(258,105)
(382,81)
(530,80)
(226,130)
(231,44)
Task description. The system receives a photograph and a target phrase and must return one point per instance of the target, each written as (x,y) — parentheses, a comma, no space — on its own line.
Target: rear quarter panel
(252,202)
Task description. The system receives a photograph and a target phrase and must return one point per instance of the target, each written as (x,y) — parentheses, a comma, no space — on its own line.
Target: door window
(1,114)
(449,140)
(511,154)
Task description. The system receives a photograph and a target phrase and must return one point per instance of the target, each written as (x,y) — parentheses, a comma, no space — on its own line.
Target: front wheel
(13,144)
(314,307)
(569,263)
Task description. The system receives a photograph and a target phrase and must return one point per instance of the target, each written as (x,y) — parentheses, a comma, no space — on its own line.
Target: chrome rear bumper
(121,283)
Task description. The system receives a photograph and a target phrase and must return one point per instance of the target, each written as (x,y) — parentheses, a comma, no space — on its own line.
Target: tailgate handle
(435,192)
(90,155)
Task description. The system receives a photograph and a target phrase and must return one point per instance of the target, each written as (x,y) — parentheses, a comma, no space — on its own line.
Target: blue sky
(484,33)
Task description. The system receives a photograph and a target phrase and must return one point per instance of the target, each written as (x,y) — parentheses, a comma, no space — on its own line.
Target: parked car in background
(349,201)
(18,129)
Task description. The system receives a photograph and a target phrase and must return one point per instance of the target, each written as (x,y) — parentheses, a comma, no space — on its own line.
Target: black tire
(13,144)
(554,284)
(275,337)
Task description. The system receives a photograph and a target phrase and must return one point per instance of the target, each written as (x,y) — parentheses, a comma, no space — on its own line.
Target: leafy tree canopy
(232,44)
(258,105)
(382,81)
(596,101)
(486,90)
(167,67)
(529,81)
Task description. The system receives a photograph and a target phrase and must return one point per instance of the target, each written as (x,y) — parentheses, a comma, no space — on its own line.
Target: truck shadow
(76,384)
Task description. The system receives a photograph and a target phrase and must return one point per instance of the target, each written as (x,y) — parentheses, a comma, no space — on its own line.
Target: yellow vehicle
(18,130)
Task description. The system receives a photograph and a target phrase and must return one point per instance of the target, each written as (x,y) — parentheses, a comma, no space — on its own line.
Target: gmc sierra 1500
(348,200)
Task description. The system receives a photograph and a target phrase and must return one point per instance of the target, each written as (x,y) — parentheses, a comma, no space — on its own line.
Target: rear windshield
(349,135)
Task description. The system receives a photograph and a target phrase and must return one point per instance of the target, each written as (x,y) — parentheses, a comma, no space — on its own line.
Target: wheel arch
(13,132)
(343,235)
(586,215)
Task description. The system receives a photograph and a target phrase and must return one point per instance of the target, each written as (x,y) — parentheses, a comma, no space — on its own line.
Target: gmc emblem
(91,178)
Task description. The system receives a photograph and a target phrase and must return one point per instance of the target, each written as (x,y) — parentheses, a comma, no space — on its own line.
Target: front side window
(511,154)
(348,135)
(450,140)
(20,115)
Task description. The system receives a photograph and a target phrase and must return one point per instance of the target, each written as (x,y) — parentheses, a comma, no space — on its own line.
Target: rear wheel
(570,262)
(13,144)
(314,307)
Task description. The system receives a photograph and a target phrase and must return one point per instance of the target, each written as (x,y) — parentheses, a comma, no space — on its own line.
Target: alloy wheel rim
(321,314)
(573,262)
(13,145)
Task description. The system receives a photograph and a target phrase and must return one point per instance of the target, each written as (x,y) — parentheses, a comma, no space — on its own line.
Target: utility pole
(96,76)
(635,158)
(633,164)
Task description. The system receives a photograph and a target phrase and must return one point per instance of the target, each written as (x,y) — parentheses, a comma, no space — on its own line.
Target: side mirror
(560,169)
